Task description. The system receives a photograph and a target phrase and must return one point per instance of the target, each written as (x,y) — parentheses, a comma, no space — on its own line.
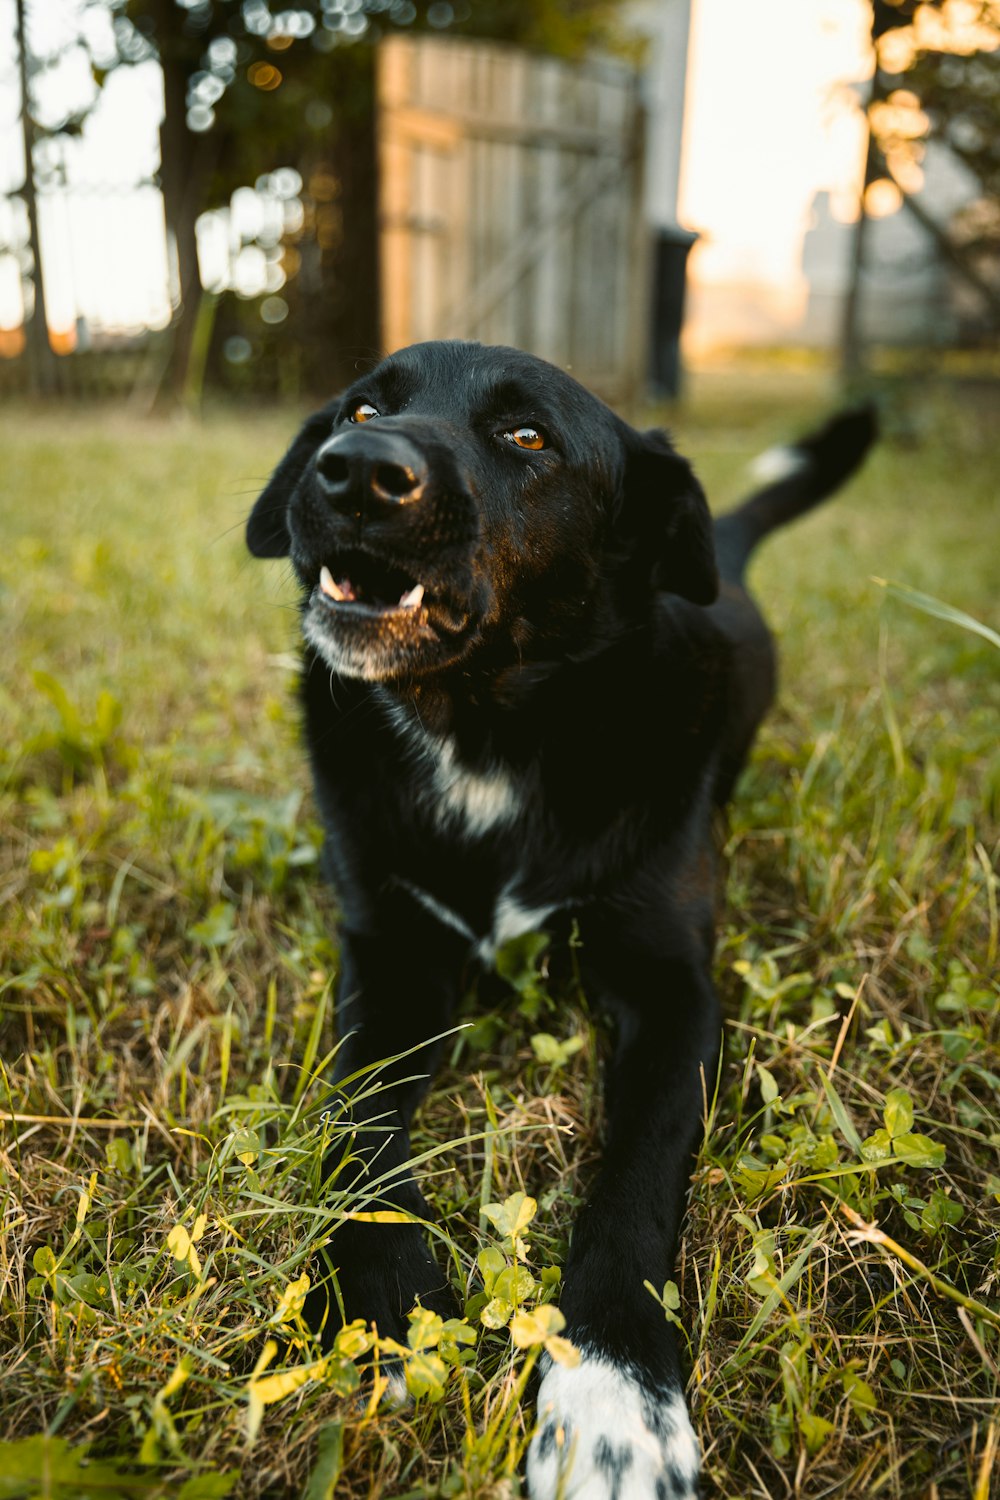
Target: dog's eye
(363,412)
(526,437)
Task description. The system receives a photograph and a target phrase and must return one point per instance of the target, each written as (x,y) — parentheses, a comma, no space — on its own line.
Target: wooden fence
(511,205)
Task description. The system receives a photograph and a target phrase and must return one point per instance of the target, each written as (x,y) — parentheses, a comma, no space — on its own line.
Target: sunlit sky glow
(769,122)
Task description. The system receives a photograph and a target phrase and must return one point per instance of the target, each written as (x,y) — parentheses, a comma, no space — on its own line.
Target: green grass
(169,956)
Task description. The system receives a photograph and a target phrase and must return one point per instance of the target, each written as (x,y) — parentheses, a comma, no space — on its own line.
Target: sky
(771,120)
(748,175)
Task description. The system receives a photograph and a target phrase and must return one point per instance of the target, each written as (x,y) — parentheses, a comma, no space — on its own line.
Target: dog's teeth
(328,586)
(413,598)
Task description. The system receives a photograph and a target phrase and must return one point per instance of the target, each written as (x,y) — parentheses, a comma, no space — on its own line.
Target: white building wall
(666,25)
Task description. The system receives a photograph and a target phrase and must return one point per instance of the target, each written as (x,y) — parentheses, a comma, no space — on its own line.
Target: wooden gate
(511,205)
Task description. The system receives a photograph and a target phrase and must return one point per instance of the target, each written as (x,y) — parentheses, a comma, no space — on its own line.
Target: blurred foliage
(948,58)
(961,96)
(939,80)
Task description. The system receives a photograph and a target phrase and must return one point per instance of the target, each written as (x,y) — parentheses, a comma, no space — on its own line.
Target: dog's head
(462,495)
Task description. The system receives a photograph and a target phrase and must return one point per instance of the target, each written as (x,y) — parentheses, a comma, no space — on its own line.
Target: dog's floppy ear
(267,528)
(665,518)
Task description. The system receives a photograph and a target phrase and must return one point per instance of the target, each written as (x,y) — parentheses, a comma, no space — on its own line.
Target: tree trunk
(41,361)
(852,341)
(185,166)
(335,296)
(352,276)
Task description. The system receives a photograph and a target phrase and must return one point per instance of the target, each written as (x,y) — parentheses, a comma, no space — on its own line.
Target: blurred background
(244,196)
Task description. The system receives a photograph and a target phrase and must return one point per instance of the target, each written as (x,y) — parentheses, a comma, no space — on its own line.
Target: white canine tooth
(328,586)
(413,598)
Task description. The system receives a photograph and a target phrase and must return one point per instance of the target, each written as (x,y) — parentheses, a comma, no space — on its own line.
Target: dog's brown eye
(525,437)
(363,412)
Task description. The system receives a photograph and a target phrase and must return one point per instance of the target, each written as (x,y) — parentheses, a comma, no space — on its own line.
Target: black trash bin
(671,248)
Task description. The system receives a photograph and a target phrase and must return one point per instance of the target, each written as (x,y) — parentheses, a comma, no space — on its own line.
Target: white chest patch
(475,801)
(602,1435)
(480,800)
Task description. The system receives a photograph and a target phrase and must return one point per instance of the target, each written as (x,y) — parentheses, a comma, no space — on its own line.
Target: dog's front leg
(615,1427)
(399,982)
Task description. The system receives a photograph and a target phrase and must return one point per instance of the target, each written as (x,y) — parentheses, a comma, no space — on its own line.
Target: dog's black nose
(360,468)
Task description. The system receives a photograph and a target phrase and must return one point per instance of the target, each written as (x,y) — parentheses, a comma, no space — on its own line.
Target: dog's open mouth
(368,585)
(372,617)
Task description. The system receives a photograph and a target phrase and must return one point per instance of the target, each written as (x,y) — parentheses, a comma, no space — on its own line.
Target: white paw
(602,1435)
(396,1394)
(388,1391)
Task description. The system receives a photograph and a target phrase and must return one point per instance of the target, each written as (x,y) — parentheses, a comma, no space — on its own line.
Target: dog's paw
(604,1435)
(382,1272)
(393,1394)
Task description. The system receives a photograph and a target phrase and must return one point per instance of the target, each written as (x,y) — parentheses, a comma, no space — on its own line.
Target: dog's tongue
(342,591)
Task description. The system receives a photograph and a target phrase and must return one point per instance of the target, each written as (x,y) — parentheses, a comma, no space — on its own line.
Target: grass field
(169,955)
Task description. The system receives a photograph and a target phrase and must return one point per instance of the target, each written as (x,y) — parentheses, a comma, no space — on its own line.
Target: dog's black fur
(543,735)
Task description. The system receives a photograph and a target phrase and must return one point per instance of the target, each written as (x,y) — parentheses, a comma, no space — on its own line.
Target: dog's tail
(795,479)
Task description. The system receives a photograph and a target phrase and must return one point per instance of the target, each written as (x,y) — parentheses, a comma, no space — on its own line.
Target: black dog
(525,694)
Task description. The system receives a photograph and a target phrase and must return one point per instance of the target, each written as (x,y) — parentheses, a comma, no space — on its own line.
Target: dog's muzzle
(383,537)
